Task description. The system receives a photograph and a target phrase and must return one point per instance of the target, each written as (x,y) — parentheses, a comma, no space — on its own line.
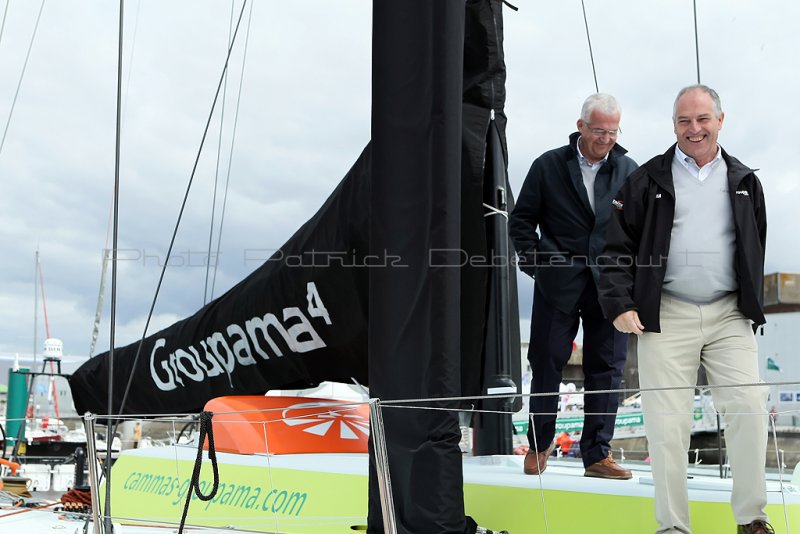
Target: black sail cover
(297,320)
(428,320)
(414,327)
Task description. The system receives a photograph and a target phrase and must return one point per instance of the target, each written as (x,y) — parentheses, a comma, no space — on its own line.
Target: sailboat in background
(33,424)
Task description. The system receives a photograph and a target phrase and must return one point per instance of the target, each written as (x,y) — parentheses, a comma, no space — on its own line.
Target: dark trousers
(604,353)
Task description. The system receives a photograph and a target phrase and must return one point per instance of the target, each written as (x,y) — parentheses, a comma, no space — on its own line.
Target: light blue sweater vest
(700,266)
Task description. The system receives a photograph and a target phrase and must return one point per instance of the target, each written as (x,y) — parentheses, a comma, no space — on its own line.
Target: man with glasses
(567,197)
(685,274)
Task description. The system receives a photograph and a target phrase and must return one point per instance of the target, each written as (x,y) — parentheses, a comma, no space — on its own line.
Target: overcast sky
(304,117)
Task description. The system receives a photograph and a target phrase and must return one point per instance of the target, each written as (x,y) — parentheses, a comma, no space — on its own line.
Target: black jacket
(635,258)
(553,200)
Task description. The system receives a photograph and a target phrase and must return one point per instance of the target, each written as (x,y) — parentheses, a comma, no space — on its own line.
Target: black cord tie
(205,428)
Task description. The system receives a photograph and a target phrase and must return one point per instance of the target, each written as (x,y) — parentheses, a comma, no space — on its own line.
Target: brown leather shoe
(756,527)
(536,462)
(607,468)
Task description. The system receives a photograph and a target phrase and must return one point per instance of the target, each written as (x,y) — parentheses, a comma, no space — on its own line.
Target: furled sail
(438,96)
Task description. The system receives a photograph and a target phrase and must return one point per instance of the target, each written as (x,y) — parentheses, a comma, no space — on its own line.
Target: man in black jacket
(567,198)
(685,266)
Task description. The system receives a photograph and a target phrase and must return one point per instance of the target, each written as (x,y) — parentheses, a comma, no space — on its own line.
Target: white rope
(539,476)
(269,469)
(494,211)
(780,474)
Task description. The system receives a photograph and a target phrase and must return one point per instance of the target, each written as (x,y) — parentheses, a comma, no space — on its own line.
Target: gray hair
(601,102)
(716,103)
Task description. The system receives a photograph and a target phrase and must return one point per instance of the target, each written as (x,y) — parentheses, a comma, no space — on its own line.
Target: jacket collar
(660,169)
(736,169)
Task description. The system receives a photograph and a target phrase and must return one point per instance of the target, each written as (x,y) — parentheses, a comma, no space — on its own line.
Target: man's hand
(628,323)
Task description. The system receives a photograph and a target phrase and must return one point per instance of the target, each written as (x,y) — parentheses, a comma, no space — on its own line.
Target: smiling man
(685,254)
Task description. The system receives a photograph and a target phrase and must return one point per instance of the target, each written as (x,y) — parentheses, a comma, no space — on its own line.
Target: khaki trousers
(721,338)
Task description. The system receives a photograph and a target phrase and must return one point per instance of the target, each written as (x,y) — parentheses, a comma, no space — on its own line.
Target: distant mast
(35,305)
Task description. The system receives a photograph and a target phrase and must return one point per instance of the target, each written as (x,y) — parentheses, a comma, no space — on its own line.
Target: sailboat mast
(35,304)
(44,301)
(114,235)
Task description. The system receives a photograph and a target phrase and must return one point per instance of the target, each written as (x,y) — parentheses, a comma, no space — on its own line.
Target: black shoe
(482,530)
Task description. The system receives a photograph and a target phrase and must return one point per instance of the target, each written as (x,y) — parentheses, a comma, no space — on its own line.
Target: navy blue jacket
(553,200)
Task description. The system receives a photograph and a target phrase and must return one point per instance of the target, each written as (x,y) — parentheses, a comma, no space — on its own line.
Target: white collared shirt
(588,172)
(701,173)
(583,161)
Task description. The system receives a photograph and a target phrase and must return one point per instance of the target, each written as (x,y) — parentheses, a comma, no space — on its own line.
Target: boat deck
(496,493)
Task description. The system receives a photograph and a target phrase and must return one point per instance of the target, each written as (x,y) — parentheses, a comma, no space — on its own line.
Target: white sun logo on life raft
(344,422)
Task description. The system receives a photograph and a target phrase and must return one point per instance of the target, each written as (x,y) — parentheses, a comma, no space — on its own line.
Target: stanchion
(94,484)
(382,466)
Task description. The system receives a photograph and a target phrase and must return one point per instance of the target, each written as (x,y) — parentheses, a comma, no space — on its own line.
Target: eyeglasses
(599,132)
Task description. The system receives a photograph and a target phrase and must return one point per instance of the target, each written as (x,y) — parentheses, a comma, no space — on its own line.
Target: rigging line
(591,52)
(100,296)
(47,333)
(180,215)
(130,60)
(696,41)
(206,430)
(541,486)
(104,266)
(21,76)
(627,391)
(44,300)
(230,154)
(216,168)
(111,426)
(3,23)
(266,445)
(779,461)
